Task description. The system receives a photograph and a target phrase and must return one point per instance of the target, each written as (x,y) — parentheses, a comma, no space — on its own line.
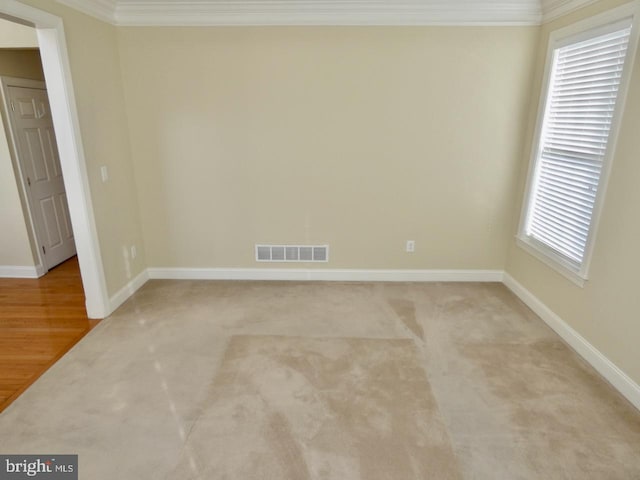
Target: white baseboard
(296,274)
(620,380)
(10,271)
(129,289)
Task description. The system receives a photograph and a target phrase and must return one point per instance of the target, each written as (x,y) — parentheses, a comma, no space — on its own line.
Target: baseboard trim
(620,380)
(129,289)
(11,271)
(295,274)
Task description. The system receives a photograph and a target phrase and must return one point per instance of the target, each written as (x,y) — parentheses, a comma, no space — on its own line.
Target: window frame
(559,38)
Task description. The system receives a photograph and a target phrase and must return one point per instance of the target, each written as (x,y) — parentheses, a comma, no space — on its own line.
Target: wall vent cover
(292,253)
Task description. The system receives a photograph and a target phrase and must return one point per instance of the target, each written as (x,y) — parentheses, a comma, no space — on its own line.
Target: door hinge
(44,250)
(28,181)
(13,107)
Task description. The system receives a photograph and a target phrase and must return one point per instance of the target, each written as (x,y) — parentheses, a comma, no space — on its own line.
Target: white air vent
(292,253)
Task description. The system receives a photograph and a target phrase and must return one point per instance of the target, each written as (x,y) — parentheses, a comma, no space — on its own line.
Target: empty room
(311,239)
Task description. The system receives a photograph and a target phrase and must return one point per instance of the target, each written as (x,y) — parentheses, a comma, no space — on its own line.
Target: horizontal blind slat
(573,161)
(575,228)
(585,46)
(566,78)
(574,170)
(612,85)
(578,176)
(569,248)
(563,229)
(592,139)
(573,240)
(579,197)
(605,63)
(575,215)
(611,51)
(556,230)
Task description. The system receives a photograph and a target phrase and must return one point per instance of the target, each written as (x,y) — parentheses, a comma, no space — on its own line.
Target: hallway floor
(40,320)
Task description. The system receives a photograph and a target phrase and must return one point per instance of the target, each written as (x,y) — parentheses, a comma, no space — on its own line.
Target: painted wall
(21,63)
(605,311)
(361,138)
(95,67)
(15,249)
(13,35)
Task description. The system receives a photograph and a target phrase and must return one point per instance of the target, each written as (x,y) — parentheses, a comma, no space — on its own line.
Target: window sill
(551,260)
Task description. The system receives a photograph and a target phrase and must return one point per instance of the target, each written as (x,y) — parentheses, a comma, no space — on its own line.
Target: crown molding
(310,12)
(325,12)
(553,9)
(101,9)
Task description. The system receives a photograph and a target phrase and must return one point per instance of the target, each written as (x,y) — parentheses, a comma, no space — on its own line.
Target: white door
(40,165)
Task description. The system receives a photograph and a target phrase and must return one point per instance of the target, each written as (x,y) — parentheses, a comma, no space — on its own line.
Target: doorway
(55,62)
(38,170)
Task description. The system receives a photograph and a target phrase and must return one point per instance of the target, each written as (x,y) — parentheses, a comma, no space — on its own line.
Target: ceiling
(326,12)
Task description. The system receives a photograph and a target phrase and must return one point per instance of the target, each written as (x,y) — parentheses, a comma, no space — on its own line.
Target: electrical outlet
(134,252)
(411,246)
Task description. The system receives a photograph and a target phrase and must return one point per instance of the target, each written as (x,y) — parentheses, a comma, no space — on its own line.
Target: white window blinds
(582,95)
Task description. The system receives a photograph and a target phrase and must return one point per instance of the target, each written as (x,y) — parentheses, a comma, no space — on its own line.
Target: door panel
(40,164)
(54,168)
(65,221)
(51,223)
(30,137)
(25,107)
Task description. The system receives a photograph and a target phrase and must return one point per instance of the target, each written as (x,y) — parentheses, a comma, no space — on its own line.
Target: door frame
(57,73)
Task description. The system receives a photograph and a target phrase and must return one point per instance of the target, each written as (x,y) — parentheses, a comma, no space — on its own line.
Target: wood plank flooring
(40,320)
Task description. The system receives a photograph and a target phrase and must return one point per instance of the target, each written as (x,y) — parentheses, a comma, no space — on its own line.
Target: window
(587,70)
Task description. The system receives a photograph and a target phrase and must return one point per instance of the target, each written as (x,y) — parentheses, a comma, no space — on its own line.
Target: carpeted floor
(295,407)
(255,380)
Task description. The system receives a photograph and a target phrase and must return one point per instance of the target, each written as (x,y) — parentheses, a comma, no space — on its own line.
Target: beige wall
(95,67)
(15,249)
(605,311)
(361,138)
(14,35)
(21,63)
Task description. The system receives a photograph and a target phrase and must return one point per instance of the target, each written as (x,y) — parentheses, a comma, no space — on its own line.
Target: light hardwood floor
(40,320)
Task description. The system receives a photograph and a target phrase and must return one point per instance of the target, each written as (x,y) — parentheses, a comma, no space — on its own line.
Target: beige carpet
(196,380)
(326,408)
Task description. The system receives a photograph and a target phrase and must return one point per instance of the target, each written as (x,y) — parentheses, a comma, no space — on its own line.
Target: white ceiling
(326,12)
